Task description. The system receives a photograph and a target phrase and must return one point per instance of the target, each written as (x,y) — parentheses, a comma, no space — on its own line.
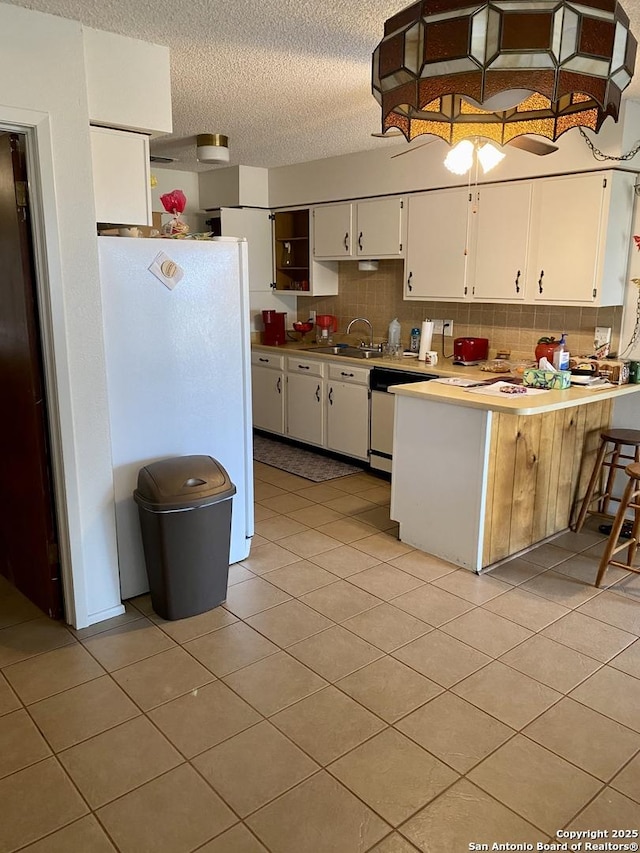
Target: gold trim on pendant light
(503,68)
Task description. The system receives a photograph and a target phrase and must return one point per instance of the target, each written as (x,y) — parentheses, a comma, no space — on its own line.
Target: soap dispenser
(561,354)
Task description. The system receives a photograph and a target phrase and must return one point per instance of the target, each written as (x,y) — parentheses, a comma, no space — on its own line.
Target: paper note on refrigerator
(166,270)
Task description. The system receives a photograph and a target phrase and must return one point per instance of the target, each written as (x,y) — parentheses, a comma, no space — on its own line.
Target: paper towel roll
(425,339)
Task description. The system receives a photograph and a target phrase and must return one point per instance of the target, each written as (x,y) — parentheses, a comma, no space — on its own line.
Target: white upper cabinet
(580,233)
(333,231)
(121,176)
(367,229)
(128,82)
(500,225)
(255,226)
(562,240)
(437,245)
(379,226)
(295,271)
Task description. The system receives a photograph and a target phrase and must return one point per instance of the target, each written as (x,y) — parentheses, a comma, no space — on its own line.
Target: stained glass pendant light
(503,68)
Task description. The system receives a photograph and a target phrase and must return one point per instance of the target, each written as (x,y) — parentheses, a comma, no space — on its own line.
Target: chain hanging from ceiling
(600,155)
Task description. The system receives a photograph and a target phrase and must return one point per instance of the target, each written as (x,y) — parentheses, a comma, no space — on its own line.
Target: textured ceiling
(286,80)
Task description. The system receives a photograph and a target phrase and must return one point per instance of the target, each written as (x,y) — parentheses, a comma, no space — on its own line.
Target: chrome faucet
(362,320)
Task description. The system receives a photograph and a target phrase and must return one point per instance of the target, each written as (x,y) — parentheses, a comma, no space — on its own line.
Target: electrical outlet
(440,326)
(312,316)
(602,337)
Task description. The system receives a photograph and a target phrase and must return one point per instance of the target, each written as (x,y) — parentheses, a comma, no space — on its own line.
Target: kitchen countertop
(437,392)
(537,404)
(444,367)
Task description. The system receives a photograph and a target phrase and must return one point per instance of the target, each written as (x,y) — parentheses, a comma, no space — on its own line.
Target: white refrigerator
(176,330)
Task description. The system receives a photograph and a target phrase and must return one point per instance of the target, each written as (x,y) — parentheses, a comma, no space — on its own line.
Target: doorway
(29,556)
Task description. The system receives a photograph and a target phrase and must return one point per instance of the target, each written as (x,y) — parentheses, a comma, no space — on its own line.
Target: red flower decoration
(174,202)
(637,239)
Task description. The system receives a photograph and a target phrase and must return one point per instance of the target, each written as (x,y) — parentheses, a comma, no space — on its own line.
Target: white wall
(42,84)
(632,301)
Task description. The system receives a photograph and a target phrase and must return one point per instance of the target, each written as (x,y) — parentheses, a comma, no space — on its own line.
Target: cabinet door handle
(264,359)
(540,288)
(331,396)
(342,373)
(346,242)
(517,282)
(360,241)
(303,367)
(409,285)
(279,385)
(318,393)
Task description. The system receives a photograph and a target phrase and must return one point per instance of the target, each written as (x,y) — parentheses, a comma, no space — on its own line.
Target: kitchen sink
(348,352)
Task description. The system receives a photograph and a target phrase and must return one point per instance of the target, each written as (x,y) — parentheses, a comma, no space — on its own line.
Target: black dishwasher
(382,407)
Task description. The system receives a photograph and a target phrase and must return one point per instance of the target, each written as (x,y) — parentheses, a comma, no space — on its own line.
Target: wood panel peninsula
(478,478)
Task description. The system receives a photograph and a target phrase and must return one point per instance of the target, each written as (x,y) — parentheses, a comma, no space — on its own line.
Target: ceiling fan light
(460,159)
(212,148)
(489,156)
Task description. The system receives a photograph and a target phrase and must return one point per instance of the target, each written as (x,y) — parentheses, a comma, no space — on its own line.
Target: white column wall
(43,85)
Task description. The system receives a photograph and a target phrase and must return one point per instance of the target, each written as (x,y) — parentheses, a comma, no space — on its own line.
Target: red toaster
(470,350)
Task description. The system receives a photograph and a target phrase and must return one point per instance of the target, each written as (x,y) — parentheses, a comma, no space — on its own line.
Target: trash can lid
(182,482)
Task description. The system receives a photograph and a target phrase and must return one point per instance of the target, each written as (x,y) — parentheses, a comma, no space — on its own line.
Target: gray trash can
(184,505)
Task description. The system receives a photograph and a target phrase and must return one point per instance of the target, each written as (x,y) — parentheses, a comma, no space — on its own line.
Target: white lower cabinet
(268,392)
(305,400)
(313,401)
(348,411)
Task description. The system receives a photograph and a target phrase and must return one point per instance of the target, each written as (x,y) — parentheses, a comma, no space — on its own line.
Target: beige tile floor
(352,695)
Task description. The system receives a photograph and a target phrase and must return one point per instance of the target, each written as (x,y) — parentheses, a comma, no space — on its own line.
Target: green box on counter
(548,379)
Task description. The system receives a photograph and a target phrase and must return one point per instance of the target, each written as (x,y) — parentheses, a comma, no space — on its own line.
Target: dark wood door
(28,541)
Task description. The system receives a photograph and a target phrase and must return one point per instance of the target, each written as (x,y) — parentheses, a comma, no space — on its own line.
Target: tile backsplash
(378,297)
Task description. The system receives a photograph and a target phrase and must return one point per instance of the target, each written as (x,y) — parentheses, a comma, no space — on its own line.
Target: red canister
(545,349)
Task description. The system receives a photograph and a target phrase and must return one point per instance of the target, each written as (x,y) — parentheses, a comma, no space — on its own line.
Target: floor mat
(305,463)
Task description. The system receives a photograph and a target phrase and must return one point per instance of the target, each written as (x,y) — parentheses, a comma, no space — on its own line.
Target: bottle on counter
(394,333)
(561,354)
(414,342)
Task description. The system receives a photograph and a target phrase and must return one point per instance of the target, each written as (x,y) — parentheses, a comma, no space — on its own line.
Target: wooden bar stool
(629,500)
(608,457)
